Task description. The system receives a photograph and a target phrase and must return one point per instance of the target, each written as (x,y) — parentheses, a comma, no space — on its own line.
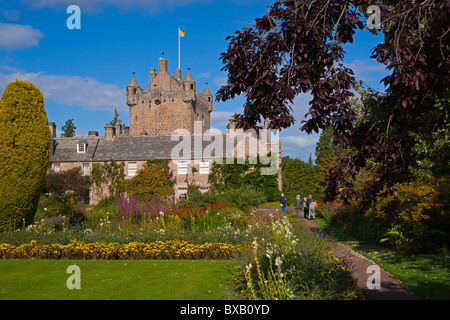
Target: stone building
(167,117)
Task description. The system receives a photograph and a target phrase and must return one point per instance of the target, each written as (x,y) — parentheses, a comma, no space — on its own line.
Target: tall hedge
(24,147)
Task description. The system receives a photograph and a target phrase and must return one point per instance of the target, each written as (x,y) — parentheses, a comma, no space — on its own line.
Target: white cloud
(73,90)
(220,118)
(204,75)
(12,15)
(17,36)
(221,81)
(299,146)
(367,72)
(295,142)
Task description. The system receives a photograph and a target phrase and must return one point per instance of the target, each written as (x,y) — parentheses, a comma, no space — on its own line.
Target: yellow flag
(181,33)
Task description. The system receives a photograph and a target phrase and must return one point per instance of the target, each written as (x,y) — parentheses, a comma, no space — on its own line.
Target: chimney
(92,134)
(232,123)
(152,75)
(126,131)
(109,132)
(162,65)
(178,73)
(52,129)
(118,130)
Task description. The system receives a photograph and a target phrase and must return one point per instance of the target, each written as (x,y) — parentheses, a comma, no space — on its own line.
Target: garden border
(391,287)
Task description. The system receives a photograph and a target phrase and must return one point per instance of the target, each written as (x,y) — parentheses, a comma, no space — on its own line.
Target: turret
(132,91)
(208,96)
(189,88)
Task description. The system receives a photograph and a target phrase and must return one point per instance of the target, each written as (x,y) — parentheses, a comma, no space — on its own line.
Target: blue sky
(83,73)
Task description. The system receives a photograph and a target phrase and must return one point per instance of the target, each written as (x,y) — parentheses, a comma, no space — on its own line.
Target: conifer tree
(24,151)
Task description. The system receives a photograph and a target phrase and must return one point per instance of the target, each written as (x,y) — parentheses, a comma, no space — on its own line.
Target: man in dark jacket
(308,201)
(283,202)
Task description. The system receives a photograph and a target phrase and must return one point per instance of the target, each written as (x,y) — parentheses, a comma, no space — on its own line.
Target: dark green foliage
(243,198)
(68,129)
(299,177)
(70,181)
(244,176)
(24,147)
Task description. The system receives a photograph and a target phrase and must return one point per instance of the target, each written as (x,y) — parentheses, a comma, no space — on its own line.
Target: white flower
(278,262)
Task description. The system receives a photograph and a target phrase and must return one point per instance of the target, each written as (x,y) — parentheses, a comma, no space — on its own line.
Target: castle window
(135,91)
(86,169)
(56,167)
(204,167)
(132,168)
(192,87)
(182,167)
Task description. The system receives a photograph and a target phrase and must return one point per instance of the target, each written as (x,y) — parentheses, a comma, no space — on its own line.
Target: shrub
(417,212)
(24,147)
(243,198)
(360,223)
(71,181)
(52,206)
(155,179)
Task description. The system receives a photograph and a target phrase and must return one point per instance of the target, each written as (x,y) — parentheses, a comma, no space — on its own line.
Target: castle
(168,105)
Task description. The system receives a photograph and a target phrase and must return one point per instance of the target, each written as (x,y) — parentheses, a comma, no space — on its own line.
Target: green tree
(24,147)
(299,177)
(224,177)
(68,129)
(154,179)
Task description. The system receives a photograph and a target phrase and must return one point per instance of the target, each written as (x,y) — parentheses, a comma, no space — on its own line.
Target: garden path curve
(391,287)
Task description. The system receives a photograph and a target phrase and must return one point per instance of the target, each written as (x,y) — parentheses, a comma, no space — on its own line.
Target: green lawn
(426,275)
(115,280)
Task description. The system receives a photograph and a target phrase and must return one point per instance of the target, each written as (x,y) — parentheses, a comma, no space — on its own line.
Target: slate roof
(122,148)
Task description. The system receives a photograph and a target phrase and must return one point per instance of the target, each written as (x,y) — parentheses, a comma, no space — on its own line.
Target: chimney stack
(152,75)
(162,65)
(178,73)
(109,132)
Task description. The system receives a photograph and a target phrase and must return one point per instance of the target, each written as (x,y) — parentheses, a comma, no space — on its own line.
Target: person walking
(283,202)
(312,209)
(305,209)
(298,203)
(307,203)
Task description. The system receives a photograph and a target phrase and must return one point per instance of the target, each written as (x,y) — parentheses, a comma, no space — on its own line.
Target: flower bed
(175,249)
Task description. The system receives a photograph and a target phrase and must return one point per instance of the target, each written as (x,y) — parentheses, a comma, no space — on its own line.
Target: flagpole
(179,50)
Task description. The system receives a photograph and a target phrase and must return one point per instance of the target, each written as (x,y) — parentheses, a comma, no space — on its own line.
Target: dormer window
(82,146)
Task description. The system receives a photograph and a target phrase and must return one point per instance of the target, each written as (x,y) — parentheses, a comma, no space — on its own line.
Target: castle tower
(132,91)
(209,97)
(167,104)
